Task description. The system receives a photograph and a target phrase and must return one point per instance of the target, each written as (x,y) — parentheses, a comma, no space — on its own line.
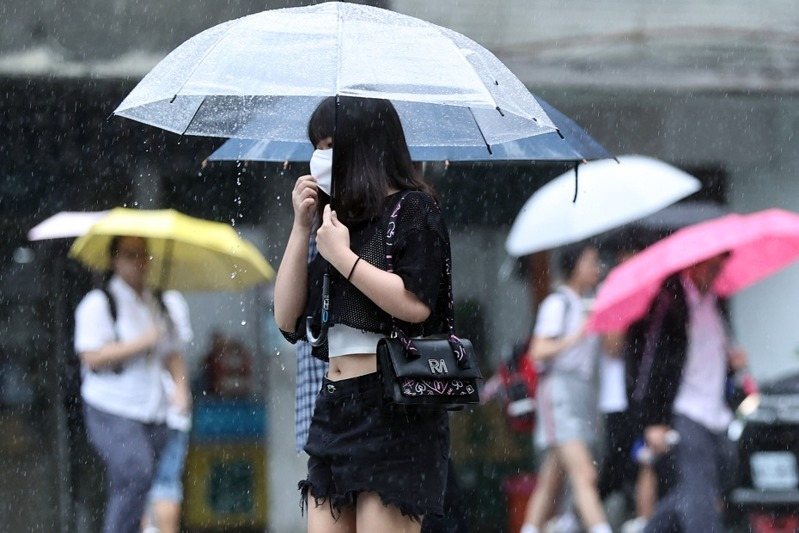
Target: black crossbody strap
(454,341)
(112,309)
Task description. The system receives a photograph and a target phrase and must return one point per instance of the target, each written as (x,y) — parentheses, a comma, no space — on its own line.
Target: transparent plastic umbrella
(261,77)
(569,143)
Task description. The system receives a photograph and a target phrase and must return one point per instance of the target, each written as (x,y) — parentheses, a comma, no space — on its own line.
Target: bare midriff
(351,366)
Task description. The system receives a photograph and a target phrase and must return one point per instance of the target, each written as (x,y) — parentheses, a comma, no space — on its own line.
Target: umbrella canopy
(65,224)
(569,143)
(760,245)
(611,193)
(645,231)
(188,254)
(261,77)
(680,215)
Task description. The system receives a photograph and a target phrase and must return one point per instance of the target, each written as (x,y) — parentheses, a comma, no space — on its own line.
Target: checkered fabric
(310,372)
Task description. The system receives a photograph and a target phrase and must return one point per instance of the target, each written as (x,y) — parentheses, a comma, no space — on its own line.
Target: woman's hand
(656,438)
(181,399)
(303,199)
(150,338)
(333,241)
(738,358)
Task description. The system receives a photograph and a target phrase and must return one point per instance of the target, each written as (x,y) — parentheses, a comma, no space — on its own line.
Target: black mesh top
(421,247)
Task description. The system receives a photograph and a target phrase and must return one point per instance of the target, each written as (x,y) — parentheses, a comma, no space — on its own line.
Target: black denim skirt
(357,444)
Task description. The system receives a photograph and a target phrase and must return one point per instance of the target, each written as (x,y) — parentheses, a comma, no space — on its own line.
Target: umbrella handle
(309,336)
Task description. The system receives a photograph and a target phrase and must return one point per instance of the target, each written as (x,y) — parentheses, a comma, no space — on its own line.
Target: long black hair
(570,255)
(370,154)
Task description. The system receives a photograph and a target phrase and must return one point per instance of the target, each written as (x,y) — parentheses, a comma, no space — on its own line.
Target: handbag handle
(407,343)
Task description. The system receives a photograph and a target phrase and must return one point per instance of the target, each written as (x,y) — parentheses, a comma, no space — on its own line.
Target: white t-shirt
(138,391)
(560,314)
(612,388)
(701,393)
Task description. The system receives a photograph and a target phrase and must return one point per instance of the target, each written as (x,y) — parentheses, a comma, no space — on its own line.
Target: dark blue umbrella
(570,143)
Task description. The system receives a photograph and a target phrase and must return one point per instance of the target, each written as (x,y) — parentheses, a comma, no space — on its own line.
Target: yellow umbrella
(188,254)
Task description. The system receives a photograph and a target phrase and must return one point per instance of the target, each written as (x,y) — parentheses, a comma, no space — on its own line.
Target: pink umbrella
(760,244)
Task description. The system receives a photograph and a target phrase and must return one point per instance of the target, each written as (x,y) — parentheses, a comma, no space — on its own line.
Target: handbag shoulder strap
(391,233)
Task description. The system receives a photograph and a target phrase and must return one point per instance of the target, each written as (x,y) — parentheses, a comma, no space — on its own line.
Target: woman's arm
(546,348)
(176,365)
(385,289)
(291,283)
(119,351)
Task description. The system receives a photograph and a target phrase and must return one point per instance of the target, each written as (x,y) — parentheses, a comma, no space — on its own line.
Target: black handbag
(439,371)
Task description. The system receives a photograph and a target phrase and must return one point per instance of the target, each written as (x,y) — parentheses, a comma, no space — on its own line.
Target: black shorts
(357,444)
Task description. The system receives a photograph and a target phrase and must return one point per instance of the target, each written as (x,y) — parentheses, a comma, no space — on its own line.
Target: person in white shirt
(679,357)
(126,336)
(567,395)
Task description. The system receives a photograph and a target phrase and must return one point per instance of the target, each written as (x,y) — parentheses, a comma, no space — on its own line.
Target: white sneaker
(564,523)
(636,525)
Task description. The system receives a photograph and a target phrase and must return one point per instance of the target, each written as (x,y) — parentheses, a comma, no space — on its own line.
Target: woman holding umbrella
(371,467)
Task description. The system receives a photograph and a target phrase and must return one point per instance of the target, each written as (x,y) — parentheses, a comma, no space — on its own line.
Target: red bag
(519,381)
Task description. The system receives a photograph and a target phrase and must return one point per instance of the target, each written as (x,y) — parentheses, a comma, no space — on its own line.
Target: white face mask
(322,168)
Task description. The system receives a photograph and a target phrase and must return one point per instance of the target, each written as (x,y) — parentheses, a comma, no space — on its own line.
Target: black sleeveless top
(420,249)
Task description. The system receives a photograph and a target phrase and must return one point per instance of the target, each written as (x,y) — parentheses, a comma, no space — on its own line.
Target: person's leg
(166,516)
(125,448)
(614,463)
(322,520)
(579,467)
(694,498)
(371,514)
(541,505)
(455,519)
(646,491)
(166,494)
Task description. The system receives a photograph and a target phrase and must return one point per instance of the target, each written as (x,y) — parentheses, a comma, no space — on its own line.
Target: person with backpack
(567,394)
(126,335)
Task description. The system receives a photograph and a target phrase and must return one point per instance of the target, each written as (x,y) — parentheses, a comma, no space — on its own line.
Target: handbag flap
(436,359)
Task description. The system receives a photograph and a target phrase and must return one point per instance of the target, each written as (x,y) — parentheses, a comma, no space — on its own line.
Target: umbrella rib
(488,146)
(198,63)
(194,116)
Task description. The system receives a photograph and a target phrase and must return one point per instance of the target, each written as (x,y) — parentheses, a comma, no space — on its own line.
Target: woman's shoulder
(95,301)
(555,299)
(419,200)
(419,209)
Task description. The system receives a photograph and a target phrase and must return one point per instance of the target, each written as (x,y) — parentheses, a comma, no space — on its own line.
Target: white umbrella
(65,224)
(610,194)
(261,77)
